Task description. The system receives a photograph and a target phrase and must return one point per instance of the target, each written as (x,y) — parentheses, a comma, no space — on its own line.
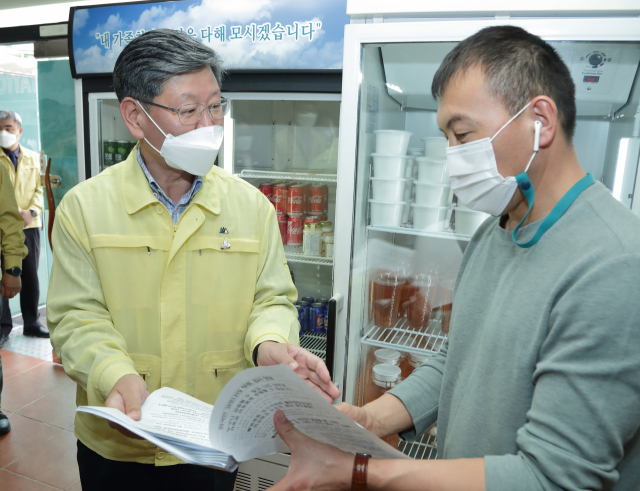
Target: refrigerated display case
(395,271)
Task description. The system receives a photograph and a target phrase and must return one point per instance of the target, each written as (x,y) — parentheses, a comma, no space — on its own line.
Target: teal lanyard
(561,207)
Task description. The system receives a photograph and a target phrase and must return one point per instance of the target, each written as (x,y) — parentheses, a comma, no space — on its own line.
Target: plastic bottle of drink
(380,356)
(385,377)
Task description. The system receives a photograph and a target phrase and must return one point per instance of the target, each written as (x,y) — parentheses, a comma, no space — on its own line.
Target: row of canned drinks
(313,316)
(296,199)
(115,151)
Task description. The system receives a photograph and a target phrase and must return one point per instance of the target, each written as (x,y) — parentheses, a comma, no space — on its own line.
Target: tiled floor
(39,453)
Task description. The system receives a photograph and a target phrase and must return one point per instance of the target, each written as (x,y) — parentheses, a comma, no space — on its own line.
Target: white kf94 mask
(474,173)
(194,152)
(7,139)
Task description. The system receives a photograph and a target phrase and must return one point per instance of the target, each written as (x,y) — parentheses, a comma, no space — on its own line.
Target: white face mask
(194,152)
(474,173)
(7,139)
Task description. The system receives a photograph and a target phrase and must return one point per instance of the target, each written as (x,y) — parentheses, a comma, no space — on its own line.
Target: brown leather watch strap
(360,466)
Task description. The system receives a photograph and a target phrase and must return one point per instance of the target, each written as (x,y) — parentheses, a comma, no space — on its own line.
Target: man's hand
(127,396)
(27,216)
(308,366)
(314,466)
(10,286)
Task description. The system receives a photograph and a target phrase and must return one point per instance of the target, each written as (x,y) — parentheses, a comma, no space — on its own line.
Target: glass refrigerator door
(287,145)
(109,137)
(397,268)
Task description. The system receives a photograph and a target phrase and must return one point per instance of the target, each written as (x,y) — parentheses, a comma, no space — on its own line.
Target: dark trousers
(30,293)
(1,358)
(100,474)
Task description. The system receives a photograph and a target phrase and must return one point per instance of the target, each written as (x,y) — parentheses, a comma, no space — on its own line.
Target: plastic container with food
(432,194)
(384,189)
(393,142)
(432,171)
(386,213)
(467,221)
(435,147)
(431,218)
(389,166)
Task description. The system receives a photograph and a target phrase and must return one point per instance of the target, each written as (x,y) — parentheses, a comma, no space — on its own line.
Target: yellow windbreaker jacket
(132,293)
(26,182)
(11,225)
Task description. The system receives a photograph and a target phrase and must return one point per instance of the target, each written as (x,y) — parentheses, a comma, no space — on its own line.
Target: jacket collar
(137,194)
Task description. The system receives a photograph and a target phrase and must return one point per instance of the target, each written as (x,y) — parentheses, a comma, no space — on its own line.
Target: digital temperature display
(591,79)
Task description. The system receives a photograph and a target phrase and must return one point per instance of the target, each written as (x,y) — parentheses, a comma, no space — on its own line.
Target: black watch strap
(14,271)
(34,213)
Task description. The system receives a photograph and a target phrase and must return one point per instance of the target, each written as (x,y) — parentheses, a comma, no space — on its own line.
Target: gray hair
(149,61)
(517,66)
(11,115)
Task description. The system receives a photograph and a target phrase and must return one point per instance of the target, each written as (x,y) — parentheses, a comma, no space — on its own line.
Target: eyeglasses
(192,113)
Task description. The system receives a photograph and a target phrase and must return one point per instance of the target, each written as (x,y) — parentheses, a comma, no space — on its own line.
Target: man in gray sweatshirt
(538,387)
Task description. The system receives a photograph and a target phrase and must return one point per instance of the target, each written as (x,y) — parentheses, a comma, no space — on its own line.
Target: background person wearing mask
(538,386)
(14,251)
(167,271)
(23,167)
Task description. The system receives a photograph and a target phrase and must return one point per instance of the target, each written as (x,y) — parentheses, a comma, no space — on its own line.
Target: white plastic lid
(386,373)
(404,157)
(387,355)
(427,159)
(388,202)
(393,131)
(418,359)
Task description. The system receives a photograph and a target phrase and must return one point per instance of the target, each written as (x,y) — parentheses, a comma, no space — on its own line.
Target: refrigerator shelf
(288,176)
(295,255)
(424,448)
(412,231)
(315,343)
(404,338)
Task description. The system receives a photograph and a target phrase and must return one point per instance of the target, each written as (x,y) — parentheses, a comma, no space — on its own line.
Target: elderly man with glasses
(167,271)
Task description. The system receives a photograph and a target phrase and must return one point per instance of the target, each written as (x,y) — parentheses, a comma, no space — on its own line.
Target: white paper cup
(432,194)
(432,171)
(386,214)
(435,147)
(392,142)
(429,217)
(415,151)
(468,221)
(389,166)
(383,189)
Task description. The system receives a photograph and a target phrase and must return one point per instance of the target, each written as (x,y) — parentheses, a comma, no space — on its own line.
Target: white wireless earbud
(536,139)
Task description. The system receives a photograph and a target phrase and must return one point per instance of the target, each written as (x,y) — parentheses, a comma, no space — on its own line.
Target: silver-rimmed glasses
(192,113)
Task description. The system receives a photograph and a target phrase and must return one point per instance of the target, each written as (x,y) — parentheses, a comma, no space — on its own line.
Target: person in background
(13,248)
(23,167)
(167,270)
(538,385)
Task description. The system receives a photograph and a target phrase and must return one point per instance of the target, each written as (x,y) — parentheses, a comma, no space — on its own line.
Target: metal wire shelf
(288,176)
(424,448)
(315,343)
(404,337)
(425,233)
(294,255)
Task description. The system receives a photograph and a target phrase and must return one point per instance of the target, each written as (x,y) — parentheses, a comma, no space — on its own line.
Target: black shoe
(5,427)
(3,340)
(37,331)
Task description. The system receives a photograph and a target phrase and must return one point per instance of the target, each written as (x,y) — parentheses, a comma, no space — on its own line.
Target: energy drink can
(326,319)
(302,319)
(317,318)
(121,151)
(109,153)
(307,315)
(309,299)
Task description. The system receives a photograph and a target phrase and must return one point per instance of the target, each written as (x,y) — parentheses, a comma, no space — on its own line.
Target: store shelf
(315,343)
(295,255)
(288,176)
(413,231)
(424,448)
(405,338)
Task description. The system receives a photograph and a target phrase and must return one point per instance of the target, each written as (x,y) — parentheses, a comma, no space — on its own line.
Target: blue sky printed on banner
(276,34)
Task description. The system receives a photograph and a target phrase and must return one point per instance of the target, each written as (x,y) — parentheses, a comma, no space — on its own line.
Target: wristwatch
(34,213)
(360,467)
(14,271)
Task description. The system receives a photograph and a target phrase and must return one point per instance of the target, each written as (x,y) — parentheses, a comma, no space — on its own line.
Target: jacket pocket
(214,370)
(149,367)
(130,269)
(224,277)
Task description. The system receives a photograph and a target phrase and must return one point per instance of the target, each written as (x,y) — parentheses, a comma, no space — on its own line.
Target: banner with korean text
(248,34)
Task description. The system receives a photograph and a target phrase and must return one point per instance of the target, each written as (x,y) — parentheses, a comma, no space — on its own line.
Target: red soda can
(294,231)
(295,201)
(317,201)
(282,223)
(325,195)
(267,190)
(280,193)
(305,198)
